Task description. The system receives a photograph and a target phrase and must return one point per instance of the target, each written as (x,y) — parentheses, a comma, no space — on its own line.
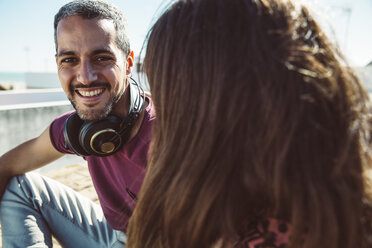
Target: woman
(261,137)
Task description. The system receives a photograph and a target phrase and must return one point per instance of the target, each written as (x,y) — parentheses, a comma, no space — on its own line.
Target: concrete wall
(27,96)
(19,124)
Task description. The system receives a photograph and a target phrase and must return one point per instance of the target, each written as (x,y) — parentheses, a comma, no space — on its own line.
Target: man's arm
(28,156)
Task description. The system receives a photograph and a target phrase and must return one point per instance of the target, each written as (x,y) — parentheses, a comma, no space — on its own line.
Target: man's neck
(122,107)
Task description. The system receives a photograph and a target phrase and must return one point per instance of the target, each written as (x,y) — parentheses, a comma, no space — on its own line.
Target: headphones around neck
(103,137)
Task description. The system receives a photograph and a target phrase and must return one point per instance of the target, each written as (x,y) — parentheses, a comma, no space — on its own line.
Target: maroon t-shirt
(117,178)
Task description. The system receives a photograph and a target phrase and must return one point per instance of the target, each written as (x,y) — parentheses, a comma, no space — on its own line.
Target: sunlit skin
(93,71)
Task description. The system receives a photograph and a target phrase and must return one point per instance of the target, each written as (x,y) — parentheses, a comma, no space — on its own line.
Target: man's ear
(130,62)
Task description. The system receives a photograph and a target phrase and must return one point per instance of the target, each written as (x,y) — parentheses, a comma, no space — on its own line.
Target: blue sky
(26,29)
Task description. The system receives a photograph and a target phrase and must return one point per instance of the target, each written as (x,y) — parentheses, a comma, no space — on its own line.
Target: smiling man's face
(91,67)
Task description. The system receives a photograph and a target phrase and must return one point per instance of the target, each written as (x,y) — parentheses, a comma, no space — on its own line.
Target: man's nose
(86,73)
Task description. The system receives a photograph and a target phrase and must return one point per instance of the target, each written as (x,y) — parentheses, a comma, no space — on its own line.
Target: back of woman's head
(256,116)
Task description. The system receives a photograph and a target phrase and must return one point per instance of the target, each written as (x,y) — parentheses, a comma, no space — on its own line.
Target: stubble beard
(91,114)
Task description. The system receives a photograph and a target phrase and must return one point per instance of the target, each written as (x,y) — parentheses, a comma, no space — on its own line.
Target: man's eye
(103,58)
(68,60)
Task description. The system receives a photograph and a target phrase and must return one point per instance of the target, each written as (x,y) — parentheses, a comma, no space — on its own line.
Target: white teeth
(90,93)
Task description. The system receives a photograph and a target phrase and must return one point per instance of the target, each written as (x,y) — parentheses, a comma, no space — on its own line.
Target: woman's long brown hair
(257,116)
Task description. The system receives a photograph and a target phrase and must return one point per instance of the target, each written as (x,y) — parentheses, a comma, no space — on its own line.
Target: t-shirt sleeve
(56,133)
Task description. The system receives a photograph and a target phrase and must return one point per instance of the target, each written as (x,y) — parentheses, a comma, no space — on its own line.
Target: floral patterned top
(270,233)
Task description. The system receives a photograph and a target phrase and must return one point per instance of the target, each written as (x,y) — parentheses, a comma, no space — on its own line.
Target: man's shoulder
(60,120)
(56,132)
(149,109)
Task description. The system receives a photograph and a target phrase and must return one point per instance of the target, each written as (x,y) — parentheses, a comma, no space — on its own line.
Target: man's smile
(86,92)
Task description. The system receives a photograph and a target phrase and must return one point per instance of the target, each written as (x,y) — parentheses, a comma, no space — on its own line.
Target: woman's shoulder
(269,232)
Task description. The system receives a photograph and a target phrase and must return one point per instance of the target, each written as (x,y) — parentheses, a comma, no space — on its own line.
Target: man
(94,66)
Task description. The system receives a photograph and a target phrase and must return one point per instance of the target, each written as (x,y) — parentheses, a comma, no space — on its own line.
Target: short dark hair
(90,9)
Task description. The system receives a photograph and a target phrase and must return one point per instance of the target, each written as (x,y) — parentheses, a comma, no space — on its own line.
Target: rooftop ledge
(32,98)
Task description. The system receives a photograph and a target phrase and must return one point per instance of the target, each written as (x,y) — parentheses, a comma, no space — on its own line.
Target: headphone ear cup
(101,138)
(71,133)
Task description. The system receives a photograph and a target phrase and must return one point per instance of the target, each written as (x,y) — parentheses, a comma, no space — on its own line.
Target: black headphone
(103,137)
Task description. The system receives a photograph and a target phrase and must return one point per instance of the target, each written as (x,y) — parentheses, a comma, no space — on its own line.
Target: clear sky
(26,29)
